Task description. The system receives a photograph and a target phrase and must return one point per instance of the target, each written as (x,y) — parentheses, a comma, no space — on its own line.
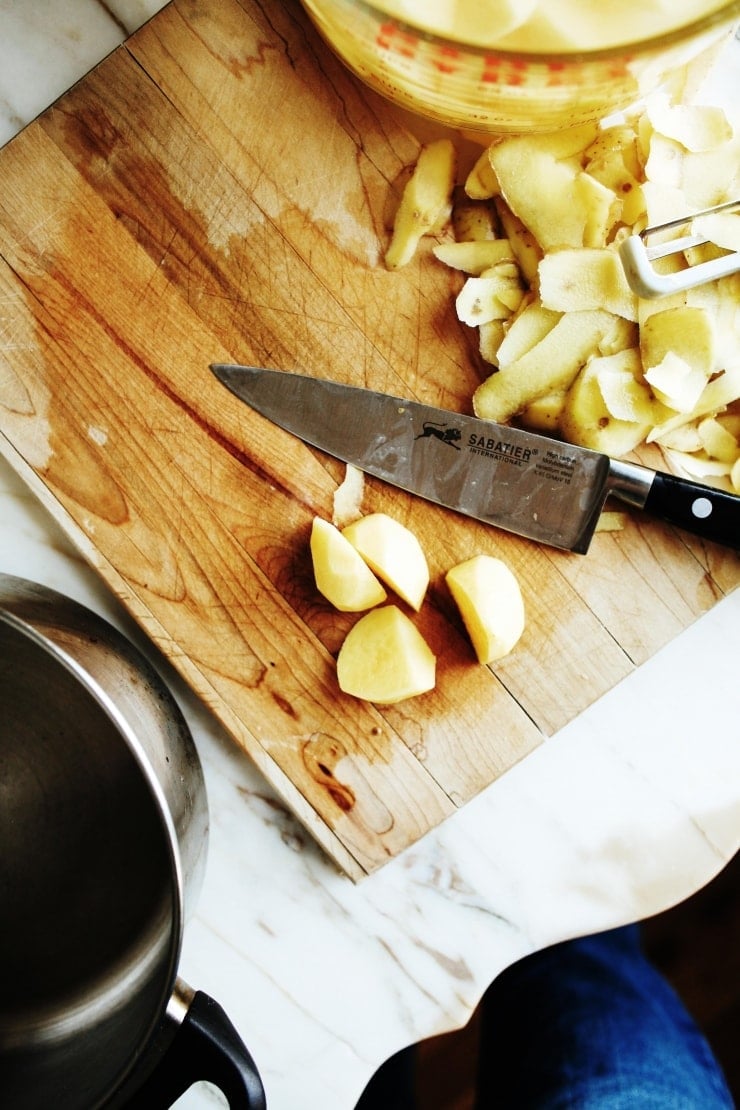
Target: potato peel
(564,202)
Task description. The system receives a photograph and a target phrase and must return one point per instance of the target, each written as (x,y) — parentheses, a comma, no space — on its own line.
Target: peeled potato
(341,574)
(385,659)
(490,603)
(393,552)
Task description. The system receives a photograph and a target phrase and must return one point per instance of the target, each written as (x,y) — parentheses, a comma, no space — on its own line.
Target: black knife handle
(709,513)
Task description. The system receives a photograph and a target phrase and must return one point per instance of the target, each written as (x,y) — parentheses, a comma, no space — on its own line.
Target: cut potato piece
(342,575)
(385,659)
(426,201)
(394,553)
(549,366)
(490,603)
(610,521)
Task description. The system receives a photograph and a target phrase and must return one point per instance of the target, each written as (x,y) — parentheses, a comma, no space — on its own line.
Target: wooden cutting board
(218,189)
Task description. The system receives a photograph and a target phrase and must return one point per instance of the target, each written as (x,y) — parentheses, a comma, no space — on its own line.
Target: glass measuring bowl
(498,91)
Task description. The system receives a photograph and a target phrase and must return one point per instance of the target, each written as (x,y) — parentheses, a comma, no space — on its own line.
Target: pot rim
(94,688)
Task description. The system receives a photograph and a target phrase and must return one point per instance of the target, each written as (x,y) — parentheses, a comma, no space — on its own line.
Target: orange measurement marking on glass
(491,66)
(447,59)
(389,36)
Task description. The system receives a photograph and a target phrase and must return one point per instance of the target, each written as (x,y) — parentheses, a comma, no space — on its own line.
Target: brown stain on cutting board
(321,754)
(217,190)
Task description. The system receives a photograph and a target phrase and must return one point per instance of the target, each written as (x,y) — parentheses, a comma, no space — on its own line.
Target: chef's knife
(526,483)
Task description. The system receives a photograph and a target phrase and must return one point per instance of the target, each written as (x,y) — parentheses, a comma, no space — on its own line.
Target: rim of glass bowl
(723,14)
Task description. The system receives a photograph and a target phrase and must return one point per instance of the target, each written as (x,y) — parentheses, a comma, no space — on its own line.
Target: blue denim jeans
(589,1024)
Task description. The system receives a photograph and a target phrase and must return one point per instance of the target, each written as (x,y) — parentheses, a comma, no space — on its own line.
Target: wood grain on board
(218,189)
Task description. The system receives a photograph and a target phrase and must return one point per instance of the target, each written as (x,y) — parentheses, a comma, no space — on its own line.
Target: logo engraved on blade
(500,449)
(443,432)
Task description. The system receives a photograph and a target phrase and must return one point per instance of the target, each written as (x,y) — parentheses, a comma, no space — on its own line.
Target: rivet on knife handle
(707,512)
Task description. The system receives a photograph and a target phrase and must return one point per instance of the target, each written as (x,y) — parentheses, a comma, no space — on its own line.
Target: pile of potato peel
(535,229)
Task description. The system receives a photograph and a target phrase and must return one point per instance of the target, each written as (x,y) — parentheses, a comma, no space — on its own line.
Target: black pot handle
(206,1047)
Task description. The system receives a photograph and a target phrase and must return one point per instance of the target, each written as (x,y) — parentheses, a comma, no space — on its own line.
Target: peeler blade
(638,255)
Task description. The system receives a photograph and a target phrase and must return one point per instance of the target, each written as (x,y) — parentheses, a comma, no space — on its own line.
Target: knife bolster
(630,482)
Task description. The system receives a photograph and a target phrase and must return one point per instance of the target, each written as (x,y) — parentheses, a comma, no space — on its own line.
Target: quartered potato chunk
(342,575)
(490,602)
(385,659)
(393,552)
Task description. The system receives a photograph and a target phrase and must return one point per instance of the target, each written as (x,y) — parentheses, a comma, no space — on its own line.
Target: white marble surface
(628,810)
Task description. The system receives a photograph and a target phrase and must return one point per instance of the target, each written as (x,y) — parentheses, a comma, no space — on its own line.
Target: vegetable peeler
(638,257)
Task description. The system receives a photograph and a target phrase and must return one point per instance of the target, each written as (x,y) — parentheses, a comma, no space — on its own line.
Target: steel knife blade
(523,482)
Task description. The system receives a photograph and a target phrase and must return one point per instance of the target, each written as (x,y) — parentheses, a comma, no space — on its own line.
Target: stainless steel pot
(103,833)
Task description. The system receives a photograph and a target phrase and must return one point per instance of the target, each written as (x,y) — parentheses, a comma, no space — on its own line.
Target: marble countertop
(628,810)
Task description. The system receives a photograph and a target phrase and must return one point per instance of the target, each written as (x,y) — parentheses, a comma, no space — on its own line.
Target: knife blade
(523,482)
